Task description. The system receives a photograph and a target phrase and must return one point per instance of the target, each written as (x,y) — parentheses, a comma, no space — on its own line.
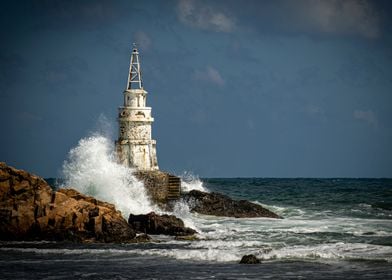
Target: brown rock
(21,187)
(221,205)
(78,196)
(4,175)
(152,223)
(30,209)
(187,238)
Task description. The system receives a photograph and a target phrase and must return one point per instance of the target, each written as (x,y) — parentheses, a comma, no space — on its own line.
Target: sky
(246,88)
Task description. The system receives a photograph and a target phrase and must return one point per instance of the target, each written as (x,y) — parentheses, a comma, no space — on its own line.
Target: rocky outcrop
(31,210)
(249,259)
(153,223)
(221,205)
(164,190)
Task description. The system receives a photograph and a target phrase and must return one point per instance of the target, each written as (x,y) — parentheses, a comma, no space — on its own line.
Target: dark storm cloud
(11,68)
(203,15)
(64,72)
(334,17)
(63,14)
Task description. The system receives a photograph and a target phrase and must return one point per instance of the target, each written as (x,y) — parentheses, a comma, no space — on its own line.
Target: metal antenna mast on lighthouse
(135,75)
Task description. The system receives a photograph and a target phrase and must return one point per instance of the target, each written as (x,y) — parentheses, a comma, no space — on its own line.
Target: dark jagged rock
(249,259)
(153,223)
(221,205)
(382,205)
(31,210)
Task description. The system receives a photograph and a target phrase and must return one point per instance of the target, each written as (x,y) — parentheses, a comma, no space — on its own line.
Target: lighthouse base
(162,187)
(138,154)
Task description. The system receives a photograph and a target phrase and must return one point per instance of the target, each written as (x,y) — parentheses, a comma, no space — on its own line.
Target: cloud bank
(200,15)
(367,116)
(333,17)
(356,17)
(209,74)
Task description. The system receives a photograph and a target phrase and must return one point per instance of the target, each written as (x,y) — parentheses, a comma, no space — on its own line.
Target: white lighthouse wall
(143,156)
(122,150)
(135,98)
(138,131)
(135,114)
(135,147)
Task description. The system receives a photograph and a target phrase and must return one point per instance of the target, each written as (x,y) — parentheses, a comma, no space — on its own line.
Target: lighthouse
(134,146)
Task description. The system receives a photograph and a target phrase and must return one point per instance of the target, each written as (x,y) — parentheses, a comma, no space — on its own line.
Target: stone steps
(174,188)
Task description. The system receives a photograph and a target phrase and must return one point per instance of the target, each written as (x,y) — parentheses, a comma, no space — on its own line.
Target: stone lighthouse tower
(134,146)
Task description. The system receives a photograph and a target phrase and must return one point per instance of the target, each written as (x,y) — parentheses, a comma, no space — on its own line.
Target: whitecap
(189,182)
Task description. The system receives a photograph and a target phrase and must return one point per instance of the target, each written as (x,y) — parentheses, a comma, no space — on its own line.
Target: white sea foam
(349,251)
(196,255)
(189,182)
(227,244)
(181,210)
(92,169)
(224,251)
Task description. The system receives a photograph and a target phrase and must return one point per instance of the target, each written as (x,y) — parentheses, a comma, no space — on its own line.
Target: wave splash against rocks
(91,168)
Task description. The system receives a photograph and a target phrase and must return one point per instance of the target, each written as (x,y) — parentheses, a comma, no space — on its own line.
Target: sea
(332,228)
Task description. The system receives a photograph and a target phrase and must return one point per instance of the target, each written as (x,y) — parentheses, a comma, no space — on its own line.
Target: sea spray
(189,182)
(181,210)
(91,168)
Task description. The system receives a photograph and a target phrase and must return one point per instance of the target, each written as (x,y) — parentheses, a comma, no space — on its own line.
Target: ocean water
(332,229)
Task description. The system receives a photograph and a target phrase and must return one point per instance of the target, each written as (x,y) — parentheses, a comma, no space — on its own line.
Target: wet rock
(221,205)
(187,238)
(31,210)
(249,259)
(142,238)
(153,223)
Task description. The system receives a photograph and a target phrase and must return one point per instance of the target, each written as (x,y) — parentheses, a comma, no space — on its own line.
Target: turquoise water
(332,229)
